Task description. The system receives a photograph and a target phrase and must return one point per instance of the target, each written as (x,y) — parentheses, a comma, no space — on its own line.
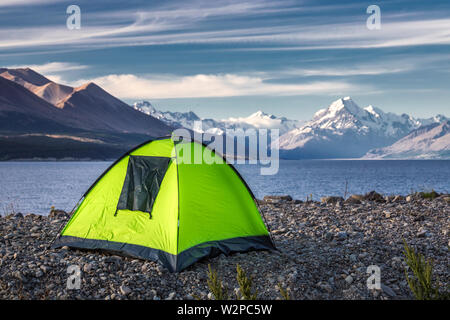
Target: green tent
(163,202)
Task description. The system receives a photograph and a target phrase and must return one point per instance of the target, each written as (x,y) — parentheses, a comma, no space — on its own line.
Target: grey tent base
(174,263)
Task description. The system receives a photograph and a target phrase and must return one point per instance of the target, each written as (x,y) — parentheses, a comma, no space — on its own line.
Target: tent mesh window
(142,182)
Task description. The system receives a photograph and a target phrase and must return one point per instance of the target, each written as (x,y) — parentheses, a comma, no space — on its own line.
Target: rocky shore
(324,251)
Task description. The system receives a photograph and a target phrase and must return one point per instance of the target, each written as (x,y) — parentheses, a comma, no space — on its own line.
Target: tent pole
(178,195)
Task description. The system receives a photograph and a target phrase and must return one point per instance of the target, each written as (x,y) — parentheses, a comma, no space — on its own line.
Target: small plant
(429,195)
(9,209)
(421,284)
(218,290)
(284,292)
(245,285)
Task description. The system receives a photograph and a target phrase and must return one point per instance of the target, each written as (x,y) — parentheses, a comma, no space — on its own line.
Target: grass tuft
(245,285)
(429,195)
(421,283)
(217,288)
(284,292)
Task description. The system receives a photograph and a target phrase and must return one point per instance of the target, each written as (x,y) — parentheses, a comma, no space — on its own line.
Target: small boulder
(374,196)
(171,296)
(277,199)
(342,235)
(125,290)
(398,198)
(17,215)
(331,199)
(422,233)
(354,199)
(58,214)
(88,267)
(388,290)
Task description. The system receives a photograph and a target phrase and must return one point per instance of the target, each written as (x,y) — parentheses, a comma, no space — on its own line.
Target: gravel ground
(324,251)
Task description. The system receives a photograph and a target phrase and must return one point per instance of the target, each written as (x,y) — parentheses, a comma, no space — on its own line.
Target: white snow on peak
(432,141)
(257,120)
(344,117)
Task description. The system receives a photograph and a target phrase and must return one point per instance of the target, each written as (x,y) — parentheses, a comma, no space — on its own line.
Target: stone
(332,199)
(87,267)
(374,196)
(125,290)
(171,296)
(359,197)
(398,198)
(388,290)
(354,199)
(342,235)
(422,233)
(44,269)
(277,199)
(328,236)
(20,276)
(320,246)
(349,279)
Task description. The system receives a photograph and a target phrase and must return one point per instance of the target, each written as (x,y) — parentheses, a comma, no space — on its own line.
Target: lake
(36,186)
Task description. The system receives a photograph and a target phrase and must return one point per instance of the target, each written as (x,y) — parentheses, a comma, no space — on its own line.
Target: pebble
(324,252)
(349,279)
(171,296)
(387,290)
(125,290)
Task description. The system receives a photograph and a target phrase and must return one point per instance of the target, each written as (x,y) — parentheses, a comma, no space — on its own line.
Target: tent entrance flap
(142,183)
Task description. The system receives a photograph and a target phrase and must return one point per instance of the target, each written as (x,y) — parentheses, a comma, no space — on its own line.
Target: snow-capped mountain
(262,120)
(258,120)
(427,142)
(344,130)
(174,119)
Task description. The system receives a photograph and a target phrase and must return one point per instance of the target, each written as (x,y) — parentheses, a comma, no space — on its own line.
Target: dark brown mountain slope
(88,107)
(21,111)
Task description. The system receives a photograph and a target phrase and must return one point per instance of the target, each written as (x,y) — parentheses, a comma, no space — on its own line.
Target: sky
(225,59)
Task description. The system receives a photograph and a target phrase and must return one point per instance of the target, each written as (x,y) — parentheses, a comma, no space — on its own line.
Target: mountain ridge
(345,130)
(32,106)
(428,142)
(87,107)
(42,119)
(257,120)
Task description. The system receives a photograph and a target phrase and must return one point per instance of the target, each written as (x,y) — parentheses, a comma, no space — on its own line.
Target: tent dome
(175,202)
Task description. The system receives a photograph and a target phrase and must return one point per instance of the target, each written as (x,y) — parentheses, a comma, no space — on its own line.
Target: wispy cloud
(55,71)
(128,86)
(16,3)
(227,22)
(52,67)
(391,65)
